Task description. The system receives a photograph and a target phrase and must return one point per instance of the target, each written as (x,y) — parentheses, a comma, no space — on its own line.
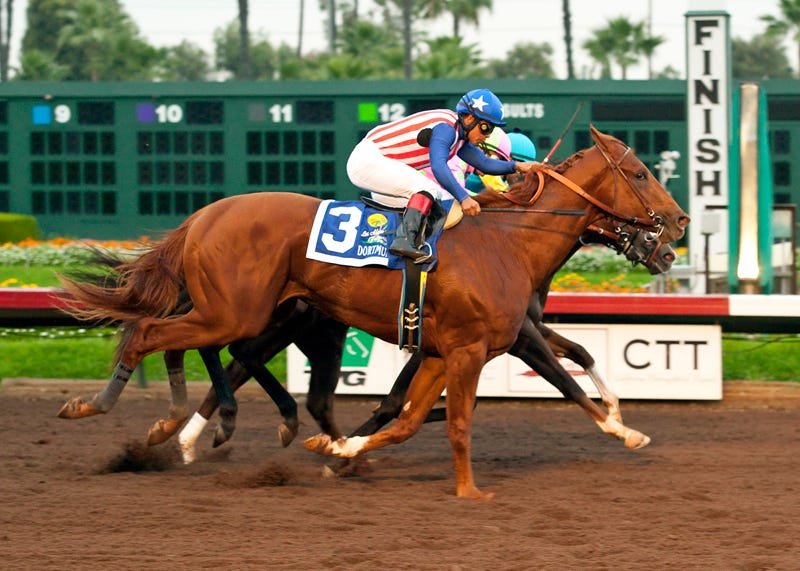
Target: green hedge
(17,227)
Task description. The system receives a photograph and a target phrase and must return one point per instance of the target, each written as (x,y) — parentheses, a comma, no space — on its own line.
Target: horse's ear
(600,139)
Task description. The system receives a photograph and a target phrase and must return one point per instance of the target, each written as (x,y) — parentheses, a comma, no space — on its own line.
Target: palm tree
(623,42)
(408,62)
(790,10)
(447,57)
(5,37)
(300,29)
(91,29)
(567,15)
(244,41)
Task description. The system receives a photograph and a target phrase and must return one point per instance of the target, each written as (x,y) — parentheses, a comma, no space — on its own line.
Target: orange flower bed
(61,242)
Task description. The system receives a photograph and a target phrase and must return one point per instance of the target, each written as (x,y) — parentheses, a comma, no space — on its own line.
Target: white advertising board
(670,362)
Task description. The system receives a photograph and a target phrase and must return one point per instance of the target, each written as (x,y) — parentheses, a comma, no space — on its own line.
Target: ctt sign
(671,362)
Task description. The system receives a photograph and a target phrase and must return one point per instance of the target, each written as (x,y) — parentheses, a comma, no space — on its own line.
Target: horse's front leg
(164,428)
(563,347)
(222,386)
(425,390)
(463,368)
(535,351)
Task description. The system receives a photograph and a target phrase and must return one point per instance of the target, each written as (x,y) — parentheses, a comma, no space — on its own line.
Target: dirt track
(717,489)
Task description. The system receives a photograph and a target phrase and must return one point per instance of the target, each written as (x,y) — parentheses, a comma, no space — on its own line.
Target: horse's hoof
(347,467)
(77,408)
(473,493)
(635,440)
(343,447)
(163,430)
(286,434)
(321,444)
(222,435)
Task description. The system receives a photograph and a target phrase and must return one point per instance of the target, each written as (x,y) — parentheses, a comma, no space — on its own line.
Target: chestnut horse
(322,339)
(240,257)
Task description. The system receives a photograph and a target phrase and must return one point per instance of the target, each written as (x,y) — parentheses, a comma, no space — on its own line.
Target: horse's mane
(523,190)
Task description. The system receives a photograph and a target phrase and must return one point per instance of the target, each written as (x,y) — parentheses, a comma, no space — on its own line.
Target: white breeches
(391,182)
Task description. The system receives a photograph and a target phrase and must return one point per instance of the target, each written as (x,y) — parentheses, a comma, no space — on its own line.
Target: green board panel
(123,160)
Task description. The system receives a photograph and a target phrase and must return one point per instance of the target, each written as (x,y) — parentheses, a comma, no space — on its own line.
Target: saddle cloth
(350,233)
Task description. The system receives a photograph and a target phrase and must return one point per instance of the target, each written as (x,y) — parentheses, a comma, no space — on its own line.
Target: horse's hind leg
(222,386)
(102,402)
(563,347)
(425,390)
(392,404)
(178,409)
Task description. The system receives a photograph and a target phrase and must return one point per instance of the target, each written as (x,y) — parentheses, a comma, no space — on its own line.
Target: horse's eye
(641,175)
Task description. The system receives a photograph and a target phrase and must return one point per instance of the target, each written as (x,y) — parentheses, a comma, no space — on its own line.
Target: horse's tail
(151,285)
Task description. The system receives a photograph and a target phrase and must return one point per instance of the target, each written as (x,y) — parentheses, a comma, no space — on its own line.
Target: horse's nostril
(669,257)
(683,221)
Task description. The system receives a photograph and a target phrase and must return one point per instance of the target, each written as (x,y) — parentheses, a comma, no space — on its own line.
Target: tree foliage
(759,58)
(85,40)
(184,62)
(525,60)
(227,50)
(97,40)
(621,42)
(788,26)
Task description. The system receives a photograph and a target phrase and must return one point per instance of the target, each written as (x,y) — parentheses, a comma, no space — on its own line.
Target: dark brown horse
(239,258)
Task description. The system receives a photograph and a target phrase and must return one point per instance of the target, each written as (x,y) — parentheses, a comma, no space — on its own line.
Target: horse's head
(639,246)
(638,200)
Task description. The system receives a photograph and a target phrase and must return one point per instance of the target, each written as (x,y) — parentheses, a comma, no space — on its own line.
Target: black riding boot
(407,240)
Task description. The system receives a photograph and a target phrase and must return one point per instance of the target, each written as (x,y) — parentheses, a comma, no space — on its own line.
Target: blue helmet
(483,104)
(522,148)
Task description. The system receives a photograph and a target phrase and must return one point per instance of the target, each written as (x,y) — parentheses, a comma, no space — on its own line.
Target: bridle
(638,245)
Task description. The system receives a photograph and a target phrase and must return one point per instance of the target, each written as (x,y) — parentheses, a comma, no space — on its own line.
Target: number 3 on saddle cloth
(352,233)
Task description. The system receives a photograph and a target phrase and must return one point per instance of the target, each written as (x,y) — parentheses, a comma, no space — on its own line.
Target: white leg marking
(348,447)
(189,435)
(609,398)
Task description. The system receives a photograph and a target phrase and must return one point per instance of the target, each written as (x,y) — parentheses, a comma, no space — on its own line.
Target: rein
(656,224)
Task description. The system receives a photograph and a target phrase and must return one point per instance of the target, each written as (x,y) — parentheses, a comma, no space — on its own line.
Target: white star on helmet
(479,103)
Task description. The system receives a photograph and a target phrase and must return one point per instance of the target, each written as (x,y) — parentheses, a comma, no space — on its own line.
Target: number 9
(62,113)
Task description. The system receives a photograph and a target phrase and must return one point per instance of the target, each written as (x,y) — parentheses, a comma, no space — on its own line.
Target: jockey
(388,161)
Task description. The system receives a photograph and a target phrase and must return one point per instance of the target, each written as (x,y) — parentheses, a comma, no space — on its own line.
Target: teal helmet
(522,148)
(483,104)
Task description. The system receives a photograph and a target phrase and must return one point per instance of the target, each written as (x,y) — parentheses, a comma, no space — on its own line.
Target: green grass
(73,353)
(30,275)
(761,357)
(76,353)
